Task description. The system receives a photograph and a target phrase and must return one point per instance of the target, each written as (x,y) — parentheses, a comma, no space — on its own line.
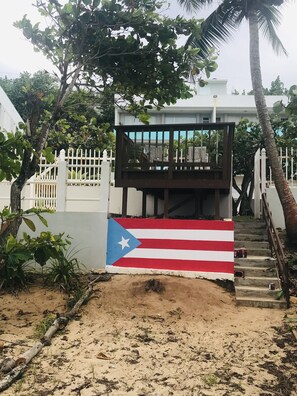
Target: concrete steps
(254,251)
(257,271)
(251,237)
(255,261)
(254,245)
(257,292)
(259,281)
(261,302)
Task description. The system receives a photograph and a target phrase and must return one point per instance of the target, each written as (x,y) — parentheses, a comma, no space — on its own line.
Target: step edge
(261,299)
(276,279)
(252,267)
(256,288)
(261,258)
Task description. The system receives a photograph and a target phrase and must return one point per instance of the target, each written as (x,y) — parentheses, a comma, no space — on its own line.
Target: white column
(104,194)
(214,110)
(263,171)
(61,182)
(257,190)
(104,185)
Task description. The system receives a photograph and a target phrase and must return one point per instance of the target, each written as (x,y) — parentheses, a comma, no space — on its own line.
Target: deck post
(166,203)
(156,206)
(197,204)
(144,203)
(124,201)
(217,204)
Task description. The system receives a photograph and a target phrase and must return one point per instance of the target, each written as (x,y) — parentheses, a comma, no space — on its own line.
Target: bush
(14,257)
(64,272)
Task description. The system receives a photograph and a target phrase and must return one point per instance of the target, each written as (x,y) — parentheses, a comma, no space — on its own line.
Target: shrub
(64,272)
(14,257)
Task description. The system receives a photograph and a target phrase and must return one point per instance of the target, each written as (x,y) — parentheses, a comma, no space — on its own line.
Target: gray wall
(87,230)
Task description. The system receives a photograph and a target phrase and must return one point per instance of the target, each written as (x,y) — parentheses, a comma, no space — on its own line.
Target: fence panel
(288,159)
(83,169)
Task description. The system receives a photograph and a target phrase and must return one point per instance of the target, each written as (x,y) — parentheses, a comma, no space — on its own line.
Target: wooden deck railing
(161,152)
(277,248)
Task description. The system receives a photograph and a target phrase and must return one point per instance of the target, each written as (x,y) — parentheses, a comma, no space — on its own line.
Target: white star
(124,242)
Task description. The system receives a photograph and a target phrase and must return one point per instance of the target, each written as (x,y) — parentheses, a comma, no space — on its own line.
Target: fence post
(104,185)
(104,193)
(257,191)
(263,171)
(61,183)
(32,192)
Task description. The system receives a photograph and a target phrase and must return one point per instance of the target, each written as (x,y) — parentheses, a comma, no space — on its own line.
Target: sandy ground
(189,339)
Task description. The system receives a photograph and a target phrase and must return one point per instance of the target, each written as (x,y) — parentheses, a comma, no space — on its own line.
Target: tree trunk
(239,206)
(285,195)
(251,193)
(28,168)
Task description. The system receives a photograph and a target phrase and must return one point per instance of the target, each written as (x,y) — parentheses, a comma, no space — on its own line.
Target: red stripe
(175,224)
(177,265)
(186,245)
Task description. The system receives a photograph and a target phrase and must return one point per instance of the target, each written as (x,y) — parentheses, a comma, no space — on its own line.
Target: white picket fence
(77,168)
(263,182)
(288,159)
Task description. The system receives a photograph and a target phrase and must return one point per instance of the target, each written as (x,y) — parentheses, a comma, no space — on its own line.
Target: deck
(161,159)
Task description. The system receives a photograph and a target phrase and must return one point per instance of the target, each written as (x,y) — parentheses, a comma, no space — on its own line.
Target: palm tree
(217,28)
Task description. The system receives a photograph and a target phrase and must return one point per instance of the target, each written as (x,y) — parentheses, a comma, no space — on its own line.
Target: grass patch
(42,327)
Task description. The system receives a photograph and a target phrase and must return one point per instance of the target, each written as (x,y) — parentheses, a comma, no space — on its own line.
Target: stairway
(258,270)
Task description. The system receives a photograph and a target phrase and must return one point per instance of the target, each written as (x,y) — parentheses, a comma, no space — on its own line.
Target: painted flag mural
(205,247)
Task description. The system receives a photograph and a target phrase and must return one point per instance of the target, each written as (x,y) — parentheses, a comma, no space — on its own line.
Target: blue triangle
(119,242)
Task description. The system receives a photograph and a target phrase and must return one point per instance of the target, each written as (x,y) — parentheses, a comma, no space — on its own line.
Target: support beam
(144,203)
(197,204)
(124,201)
(166,203)
(156,201)
(217,204)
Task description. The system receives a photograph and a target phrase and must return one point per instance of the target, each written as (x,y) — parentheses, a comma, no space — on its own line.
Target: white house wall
(9,117)
(275,205)
(211,101)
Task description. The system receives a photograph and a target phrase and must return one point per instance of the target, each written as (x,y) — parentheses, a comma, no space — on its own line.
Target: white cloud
(17,53)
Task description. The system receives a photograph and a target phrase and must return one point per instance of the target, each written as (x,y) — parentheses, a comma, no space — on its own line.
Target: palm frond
(194,5)
(269,19)
(218,27)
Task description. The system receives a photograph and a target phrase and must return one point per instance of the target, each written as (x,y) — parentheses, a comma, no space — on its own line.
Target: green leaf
(279,295)
(48,154)
(10,244)
(29,223)
(278,107)
(42,219)
(41,256)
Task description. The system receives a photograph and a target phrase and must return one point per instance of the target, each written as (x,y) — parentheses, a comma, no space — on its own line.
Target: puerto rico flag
(202,247)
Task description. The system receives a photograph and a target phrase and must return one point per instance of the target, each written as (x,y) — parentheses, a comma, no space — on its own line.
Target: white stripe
(190,235)
(197,255)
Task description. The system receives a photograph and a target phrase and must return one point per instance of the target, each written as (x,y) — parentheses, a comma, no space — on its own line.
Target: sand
(189,339)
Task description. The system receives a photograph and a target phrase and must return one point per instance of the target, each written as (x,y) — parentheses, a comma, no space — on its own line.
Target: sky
(17,54)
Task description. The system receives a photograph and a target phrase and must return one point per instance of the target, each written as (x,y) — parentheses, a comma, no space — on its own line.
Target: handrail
(277,248)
